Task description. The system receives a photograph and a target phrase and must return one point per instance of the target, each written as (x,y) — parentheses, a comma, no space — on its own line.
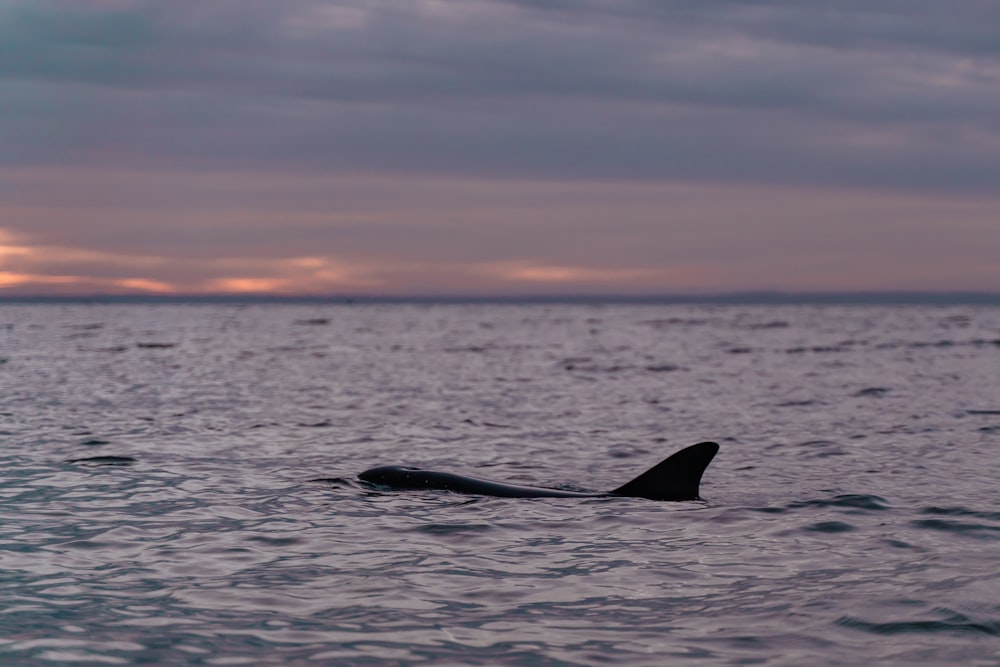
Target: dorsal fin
(676,478)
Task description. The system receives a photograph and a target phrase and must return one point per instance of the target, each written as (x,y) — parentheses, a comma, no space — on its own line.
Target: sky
(498,147)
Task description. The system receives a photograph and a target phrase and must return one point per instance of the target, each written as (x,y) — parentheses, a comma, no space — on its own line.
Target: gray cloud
(75,43)
(882,93)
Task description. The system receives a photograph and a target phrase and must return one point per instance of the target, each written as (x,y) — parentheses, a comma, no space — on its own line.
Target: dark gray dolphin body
(676,478)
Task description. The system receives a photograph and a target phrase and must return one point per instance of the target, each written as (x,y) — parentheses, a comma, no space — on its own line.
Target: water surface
(158,502)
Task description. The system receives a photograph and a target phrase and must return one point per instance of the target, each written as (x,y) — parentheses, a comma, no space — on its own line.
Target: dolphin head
(387,475)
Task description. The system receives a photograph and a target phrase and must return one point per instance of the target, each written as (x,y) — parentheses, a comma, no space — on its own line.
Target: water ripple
(956,624)
(192,497)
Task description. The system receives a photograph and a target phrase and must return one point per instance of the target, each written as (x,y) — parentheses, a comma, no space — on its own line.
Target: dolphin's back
(406,478)
(675,478)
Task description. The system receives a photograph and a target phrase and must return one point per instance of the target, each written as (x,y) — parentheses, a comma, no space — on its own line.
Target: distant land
(722,298)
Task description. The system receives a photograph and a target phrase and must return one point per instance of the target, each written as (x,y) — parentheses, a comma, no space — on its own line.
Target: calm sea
(851,517)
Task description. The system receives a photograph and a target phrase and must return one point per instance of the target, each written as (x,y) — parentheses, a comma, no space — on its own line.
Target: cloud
(877,94)
(498,145)
(51,50)
(317,233)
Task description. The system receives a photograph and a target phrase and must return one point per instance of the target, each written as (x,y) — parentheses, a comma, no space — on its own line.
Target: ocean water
(160,502)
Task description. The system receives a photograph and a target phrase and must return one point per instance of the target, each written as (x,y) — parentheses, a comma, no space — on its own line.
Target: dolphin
(104,460)
(675,478)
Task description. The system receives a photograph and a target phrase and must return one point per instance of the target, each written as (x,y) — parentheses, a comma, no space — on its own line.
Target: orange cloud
(302,275)
(9,279)
(37,265)
(10,246)
(248,285)
(539,272)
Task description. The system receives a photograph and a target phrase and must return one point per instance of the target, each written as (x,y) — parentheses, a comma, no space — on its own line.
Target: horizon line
(750,297)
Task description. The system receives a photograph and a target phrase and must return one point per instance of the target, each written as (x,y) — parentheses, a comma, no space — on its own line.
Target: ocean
(178,484)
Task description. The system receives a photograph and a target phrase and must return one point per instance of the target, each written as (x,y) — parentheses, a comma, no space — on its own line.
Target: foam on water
(178,485)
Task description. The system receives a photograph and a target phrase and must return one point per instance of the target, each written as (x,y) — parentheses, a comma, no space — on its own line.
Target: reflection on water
(178,485)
